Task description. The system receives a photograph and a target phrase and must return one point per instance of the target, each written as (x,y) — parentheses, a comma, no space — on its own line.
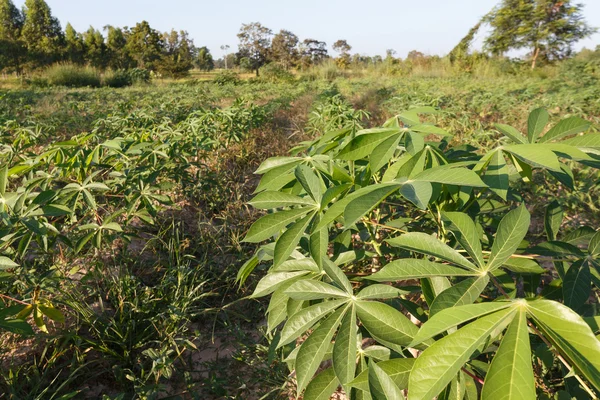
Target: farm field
(124,213)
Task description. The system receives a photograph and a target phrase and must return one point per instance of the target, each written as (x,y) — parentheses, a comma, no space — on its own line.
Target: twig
(13,299)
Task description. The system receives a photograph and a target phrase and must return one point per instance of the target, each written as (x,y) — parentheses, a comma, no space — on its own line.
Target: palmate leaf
(458,176)
(566,127)
(577,284)
(312,184)
(511,231)
(536,123)
(510,376)
(511,133)
(570,334)
(274,280)
(465,231)
(304,319)
(345,348)
(535,156)
(452,317)
(553,218)
(271,199)
(313,349)
(440,362)
(377,291)
(589,141)
(363,144)
(594,246)
(322,386)
(382,154)
(288,241)
(364,203)
(385,323)
(381,385)
(464,292)
(308,289)
(397,369)
(496,174)
(412,268)
(417,192)
(270,224)
(423,243)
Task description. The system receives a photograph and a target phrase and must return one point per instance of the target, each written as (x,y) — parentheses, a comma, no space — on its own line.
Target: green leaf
(288,241)
(511,231)
(523,266)
(577,285)
(276,162)
(465,231)
(7,263)
(383,153)
(322,386)
(345,348)
(423,243)
(364,144)
(376,291)
(273,280)
(414,142)
(318,245)
(451,176)
(566,127)
(536,123)
(440,362)
(570,334)
(385,322)
(52,313)
(429,129)
(3,179)
(272,224)
(361,205)
(398,369)
(452,317)
(535,156)
(589,141)
(381,385)
(271,199)
(412,268)
(553,219)
(419,193)
(510,376)
(336,274)
(311,183)
(313,349)
(496,174)
(301,321)
(511,133)
(17,326)
(308,289)
(594,246)
(464,292)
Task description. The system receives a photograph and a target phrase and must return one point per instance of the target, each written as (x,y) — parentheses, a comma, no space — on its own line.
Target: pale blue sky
(371,27)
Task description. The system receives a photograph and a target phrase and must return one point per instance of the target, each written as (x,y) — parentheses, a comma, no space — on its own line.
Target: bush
(139,76)
(274,73)
(71,75)
(227,78)
(117,79)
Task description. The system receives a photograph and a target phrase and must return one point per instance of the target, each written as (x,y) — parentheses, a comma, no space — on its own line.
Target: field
(124,212)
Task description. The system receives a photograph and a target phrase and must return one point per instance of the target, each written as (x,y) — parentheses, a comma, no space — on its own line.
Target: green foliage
(227,77)
(72,75)
(370,230)
(274,73)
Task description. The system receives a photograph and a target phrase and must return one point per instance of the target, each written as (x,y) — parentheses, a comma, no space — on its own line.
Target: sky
(370,27)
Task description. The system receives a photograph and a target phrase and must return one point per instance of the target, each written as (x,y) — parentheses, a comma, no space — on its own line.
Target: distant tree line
(32,38)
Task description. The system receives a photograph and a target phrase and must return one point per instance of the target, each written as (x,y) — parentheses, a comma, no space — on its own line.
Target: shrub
(408,263)
(274,73)
(117,79)
(227,77)
(139,76)
(72,75)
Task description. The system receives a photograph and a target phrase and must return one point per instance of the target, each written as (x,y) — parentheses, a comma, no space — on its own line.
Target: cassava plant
(411,266)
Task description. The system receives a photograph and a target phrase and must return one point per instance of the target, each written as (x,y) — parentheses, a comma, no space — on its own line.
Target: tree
(225,48)
(204,60)
(313,51)
(179,54)
(74,45)
(342,47)
(11,47)
(41,34)
(95,48)
(255,42)
(144,45)
(547,28)
(284,49)
(116,40)
(461,50)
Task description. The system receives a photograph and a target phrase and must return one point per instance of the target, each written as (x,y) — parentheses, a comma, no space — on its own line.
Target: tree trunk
(536,53)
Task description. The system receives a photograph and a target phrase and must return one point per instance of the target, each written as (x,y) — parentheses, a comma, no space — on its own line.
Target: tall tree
(313,51)
(144,45)
(255,42)
(74,45)
(179,54)
(341,46)
(41,33)
(12,50)
(204,60)
(95,48)
(116,40)
(284,49)
(547,28)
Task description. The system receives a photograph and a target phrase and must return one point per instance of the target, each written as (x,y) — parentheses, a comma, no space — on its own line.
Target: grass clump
(71,75)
